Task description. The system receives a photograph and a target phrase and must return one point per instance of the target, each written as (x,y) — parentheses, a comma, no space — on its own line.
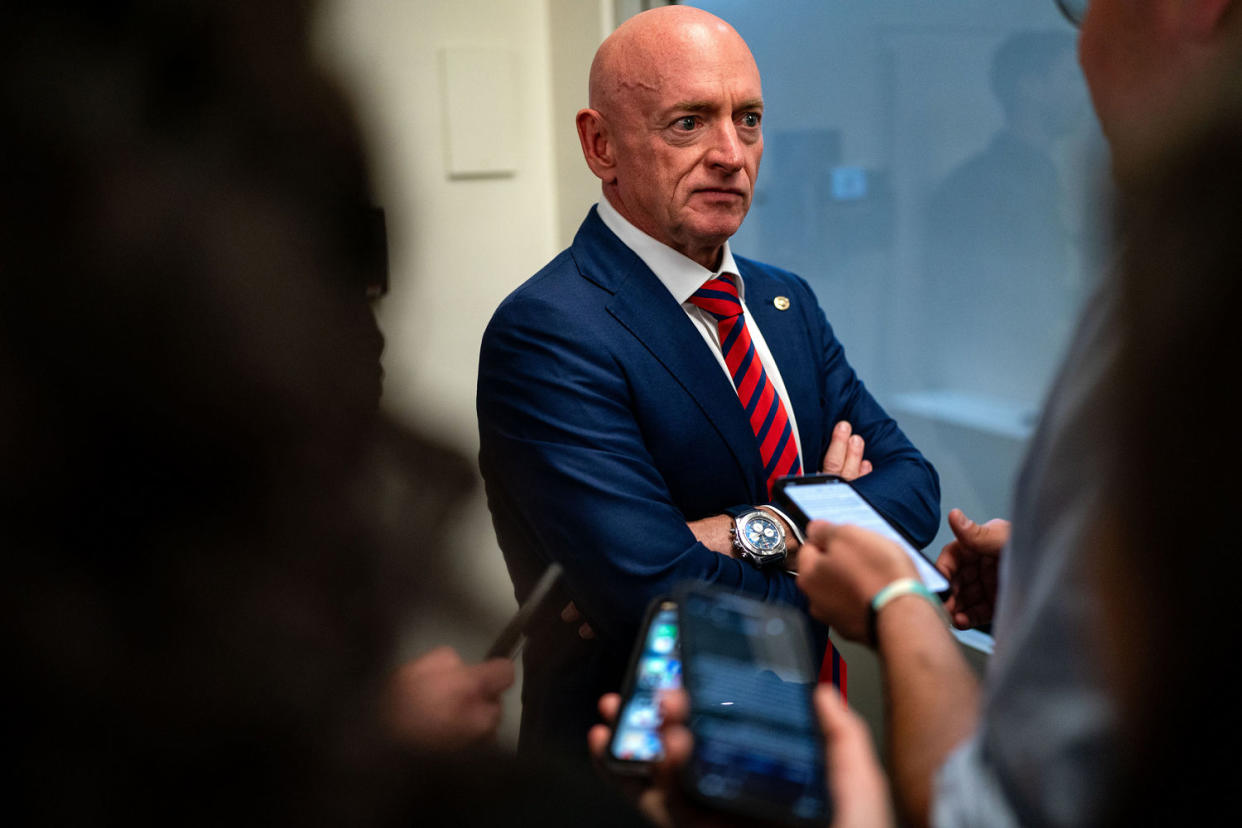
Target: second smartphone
(828,497)
(655,667)
(758,750)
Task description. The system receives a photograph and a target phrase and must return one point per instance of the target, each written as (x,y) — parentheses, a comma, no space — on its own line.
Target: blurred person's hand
(659,797)
(844,456)
(842,567)
(438,702)
(855,779)
(970,563)
(860,794)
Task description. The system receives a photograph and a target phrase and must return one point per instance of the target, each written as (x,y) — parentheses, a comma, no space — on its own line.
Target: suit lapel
(645,308)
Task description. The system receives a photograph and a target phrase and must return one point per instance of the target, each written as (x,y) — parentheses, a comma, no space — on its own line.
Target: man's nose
(726,150)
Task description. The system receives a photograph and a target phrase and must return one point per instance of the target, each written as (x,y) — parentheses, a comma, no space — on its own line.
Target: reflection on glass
(928,168)
(999,278)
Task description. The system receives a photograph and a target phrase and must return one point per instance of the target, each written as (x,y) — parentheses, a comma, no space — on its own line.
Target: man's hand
(844,457)
(438,702)
(841,568)
(970,563)
(713,532)
(855,779)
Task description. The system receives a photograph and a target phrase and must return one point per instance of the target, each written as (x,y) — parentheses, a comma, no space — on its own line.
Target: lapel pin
(781,303)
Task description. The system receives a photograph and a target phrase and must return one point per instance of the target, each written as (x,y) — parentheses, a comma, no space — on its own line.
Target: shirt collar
(680,274)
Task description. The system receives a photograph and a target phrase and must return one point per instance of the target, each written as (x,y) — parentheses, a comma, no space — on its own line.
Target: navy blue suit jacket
(606,424)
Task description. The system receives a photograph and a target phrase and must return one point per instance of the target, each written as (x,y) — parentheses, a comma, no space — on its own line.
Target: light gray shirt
(1042,754)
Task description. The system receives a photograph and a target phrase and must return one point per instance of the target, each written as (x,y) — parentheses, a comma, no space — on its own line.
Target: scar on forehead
(635,83)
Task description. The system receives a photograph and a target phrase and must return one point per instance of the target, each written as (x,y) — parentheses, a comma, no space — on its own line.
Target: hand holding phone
(439,702)
(758,750)
(856,781)
(828,497)
(655,668)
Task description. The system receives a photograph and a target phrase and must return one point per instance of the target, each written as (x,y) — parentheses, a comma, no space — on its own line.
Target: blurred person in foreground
(208,556)
(1045,738)
(1167,573)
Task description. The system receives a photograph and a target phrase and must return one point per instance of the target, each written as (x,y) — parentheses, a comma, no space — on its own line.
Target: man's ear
(1201,19)
(597,147)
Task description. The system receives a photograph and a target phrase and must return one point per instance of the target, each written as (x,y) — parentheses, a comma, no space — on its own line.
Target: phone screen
(757,746)
(835,500)
(654,669)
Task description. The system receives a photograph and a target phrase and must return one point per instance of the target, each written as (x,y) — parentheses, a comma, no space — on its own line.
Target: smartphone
(509,642)
(655,667)
(758,750)
(828,497)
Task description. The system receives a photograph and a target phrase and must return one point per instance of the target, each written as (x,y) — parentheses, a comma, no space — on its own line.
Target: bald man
(613,438)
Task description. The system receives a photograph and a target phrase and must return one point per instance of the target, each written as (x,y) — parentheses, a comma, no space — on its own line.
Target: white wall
(458,246)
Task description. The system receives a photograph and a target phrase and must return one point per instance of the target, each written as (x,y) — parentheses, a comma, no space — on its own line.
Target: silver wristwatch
(758,537)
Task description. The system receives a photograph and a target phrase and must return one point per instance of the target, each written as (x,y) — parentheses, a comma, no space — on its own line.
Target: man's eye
(687,123)
(750,119)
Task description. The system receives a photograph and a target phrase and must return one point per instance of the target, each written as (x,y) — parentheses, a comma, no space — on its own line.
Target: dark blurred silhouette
(212,533)
(1000,279)
(1105,701)
(1168,562)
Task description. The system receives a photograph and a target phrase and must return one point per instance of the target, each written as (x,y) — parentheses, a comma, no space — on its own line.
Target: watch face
(762,533)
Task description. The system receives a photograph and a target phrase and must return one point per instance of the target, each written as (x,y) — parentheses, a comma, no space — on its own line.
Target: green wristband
(898,588)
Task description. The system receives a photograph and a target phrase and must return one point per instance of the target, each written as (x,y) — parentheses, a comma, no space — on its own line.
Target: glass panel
(933,169)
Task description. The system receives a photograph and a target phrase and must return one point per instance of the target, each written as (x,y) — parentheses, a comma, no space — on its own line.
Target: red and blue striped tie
(763,405)
(764,408)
